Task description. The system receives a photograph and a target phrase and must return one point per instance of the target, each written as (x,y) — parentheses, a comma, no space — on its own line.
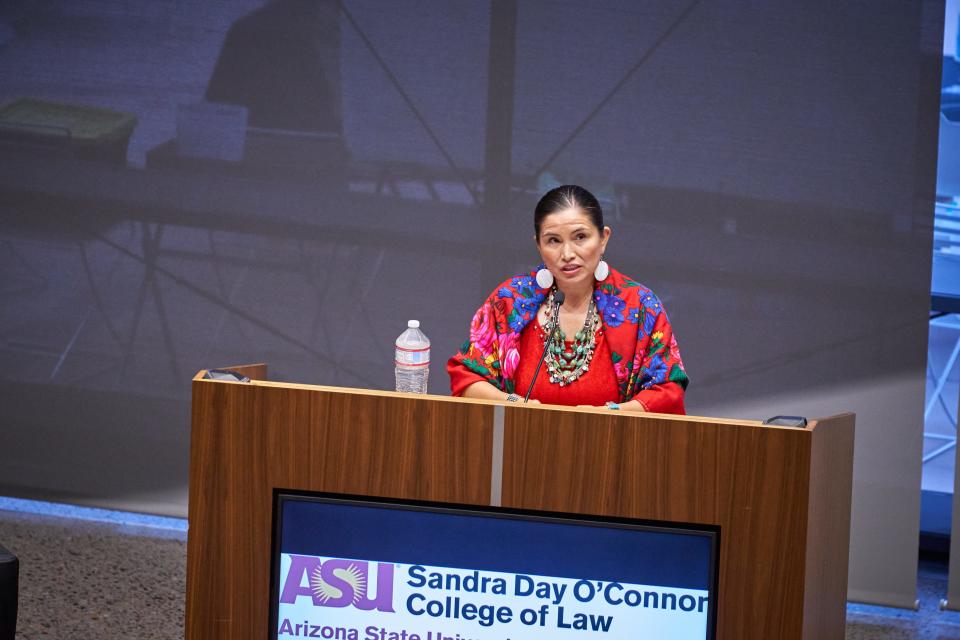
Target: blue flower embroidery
(649,322)
(526,306)
(522,282)
(651,302)
(654,373)
(611,309)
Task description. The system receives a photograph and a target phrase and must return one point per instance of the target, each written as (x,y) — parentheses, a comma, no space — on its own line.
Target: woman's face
(571,246)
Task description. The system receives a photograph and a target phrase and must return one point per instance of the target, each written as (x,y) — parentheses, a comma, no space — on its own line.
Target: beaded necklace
(565,366)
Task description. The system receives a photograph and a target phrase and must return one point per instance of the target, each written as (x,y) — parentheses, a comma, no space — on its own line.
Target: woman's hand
(484,390)
(487,391)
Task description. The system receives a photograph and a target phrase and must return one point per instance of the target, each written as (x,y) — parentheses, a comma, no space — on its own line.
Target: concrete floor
(91,580)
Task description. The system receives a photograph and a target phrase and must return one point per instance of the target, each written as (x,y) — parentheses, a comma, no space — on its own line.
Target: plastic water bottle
(412,359)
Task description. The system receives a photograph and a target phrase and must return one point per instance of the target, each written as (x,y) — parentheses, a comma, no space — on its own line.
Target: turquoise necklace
(566,365)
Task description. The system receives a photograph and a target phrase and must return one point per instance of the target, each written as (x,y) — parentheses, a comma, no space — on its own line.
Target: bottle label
(412,357)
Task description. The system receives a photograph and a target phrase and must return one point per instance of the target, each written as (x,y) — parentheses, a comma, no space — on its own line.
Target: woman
(613,346)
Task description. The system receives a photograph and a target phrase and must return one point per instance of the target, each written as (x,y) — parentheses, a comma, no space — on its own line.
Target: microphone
(557,301)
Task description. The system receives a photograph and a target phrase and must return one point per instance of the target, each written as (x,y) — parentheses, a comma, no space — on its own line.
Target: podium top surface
(476,401)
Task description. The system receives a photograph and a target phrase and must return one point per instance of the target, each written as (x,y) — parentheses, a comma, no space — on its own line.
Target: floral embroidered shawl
(641,341)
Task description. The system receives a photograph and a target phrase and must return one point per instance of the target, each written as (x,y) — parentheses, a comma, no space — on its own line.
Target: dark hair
(568,196)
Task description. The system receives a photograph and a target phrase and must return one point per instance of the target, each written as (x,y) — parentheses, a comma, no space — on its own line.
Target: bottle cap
(413,324)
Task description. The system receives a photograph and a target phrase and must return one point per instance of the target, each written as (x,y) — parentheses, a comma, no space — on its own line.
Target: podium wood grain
(753,481)
(248,439)
(781,496)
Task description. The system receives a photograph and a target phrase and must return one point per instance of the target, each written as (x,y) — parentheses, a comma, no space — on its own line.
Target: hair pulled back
(568,196)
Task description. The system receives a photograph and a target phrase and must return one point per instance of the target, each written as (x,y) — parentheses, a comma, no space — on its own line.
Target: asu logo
(338,583)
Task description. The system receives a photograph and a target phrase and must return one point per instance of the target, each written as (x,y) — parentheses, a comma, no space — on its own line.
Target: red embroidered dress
(596,386)
(636,333)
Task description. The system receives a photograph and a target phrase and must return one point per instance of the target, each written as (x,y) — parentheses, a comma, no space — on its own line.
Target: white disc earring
(544,278)
(602,270)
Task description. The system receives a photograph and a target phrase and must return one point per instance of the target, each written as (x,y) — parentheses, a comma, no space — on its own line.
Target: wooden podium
(780,495)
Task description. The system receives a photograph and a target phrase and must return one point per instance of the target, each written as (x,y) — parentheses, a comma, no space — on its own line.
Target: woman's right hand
(487,391)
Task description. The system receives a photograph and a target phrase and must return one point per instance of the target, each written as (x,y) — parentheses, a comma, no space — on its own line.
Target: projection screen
(198,184)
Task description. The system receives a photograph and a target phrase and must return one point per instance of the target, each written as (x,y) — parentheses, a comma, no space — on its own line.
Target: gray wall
(767,168)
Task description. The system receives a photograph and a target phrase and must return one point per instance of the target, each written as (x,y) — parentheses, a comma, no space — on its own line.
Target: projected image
(388,571)
(198,185)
